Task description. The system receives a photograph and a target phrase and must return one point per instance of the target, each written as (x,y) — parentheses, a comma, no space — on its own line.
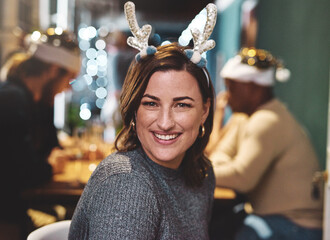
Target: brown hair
(168,57)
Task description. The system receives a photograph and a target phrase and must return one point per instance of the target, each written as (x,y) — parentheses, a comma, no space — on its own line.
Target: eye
(184,105)
(149,103)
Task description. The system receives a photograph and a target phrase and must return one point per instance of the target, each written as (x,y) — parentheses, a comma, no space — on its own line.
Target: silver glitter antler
(201,42)
(141,35)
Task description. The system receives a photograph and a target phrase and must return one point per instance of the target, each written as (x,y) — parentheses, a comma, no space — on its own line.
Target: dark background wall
(299,32)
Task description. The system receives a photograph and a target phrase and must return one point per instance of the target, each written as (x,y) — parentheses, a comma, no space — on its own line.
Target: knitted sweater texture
(273,162)
(131,197)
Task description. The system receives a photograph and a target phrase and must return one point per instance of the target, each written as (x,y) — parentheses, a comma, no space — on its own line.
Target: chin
(166,157)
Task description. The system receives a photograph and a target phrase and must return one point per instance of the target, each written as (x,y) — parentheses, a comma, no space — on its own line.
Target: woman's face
(169,116)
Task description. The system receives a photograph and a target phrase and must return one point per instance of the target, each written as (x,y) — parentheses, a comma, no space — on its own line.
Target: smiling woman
(159,184)
(167,110)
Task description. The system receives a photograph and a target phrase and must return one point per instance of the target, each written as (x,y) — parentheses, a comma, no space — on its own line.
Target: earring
(132,124)
(203,131)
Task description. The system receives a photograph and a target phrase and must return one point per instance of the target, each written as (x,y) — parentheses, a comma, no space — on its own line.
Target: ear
(206,109)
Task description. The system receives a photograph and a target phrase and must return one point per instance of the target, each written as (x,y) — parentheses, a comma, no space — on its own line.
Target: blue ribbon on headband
(150,50)
(201,63)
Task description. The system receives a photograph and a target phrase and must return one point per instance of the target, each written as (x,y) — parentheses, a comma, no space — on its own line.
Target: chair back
(54,231)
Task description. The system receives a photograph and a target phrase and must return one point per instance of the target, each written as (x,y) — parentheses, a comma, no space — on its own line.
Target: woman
(159,185)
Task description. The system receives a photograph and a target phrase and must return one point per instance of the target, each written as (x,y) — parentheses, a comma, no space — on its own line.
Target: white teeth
(166,137)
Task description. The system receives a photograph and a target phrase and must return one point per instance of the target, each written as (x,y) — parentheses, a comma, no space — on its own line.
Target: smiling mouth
(166,137)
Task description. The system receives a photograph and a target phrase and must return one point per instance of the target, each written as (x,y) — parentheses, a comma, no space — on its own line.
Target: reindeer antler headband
(141,35)
(201,42)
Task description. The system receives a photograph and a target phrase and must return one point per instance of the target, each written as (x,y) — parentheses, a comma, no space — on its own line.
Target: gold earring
(203,131)
(132,124)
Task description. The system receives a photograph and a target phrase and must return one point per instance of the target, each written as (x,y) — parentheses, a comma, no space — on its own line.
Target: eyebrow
(174,99)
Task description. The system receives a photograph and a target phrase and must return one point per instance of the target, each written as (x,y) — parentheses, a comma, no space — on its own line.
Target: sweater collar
(165,172)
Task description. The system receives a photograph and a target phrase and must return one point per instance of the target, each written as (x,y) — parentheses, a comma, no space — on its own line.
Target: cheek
(190,122)
(144,118)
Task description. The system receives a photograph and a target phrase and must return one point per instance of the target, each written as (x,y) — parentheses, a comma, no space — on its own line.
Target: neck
(261,101)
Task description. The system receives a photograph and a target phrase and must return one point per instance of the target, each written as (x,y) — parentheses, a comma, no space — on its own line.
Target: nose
(165,120)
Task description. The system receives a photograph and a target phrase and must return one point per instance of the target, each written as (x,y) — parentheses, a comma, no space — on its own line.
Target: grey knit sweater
(131,197)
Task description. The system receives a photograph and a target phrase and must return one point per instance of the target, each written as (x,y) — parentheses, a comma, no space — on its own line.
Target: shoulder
(119,163)
(118,200)
(268,117)
(271,122)
(12,95)
(14,104)
(115,163)
(119,177)
(121,168)
(10,88)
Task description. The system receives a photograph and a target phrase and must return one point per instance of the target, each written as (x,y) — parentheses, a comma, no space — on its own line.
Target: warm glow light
(92,167)
(92,147)
(262,57)
(35,36)
(251,53)
(50,31)
(251,61)
(58,30)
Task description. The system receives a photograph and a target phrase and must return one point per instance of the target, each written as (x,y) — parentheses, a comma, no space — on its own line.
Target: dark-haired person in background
(267,156)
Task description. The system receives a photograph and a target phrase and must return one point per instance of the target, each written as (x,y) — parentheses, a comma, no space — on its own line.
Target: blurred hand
(57,160)
(221,103)
(222,100)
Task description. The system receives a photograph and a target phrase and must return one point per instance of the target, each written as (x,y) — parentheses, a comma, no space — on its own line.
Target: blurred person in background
(263,152)
(158,184)
(28,134)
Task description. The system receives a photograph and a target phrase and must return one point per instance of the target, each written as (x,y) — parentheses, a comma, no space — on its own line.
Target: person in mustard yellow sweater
(264,153)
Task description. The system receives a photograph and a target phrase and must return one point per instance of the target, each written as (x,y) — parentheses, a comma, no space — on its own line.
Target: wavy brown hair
(168,57)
